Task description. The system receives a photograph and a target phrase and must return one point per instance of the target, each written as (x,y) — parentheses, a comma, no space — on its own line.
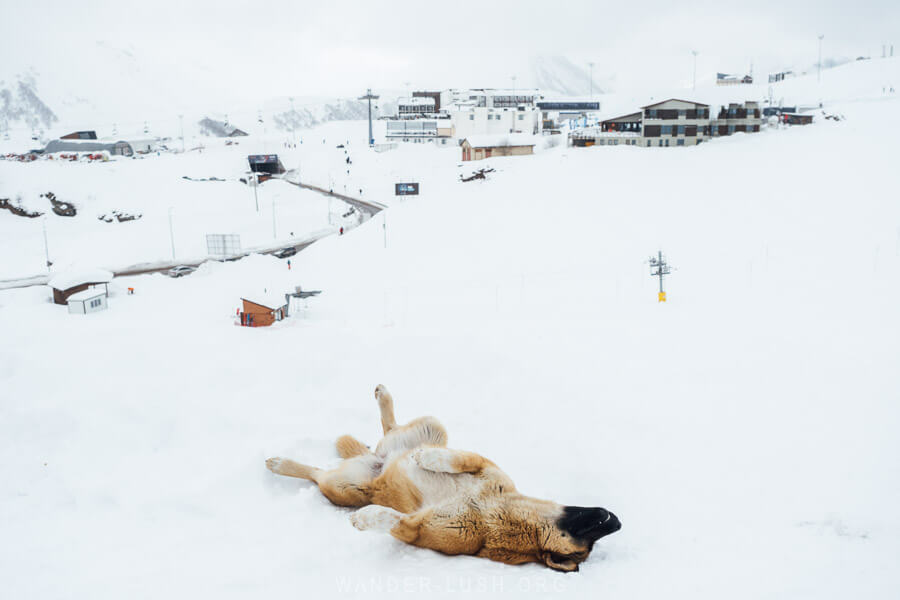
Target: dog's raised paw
(375,518)
(274,464)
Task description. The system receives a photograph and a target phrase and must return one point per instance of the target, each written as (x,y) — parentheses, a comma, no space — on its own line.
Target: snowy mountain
(21,104)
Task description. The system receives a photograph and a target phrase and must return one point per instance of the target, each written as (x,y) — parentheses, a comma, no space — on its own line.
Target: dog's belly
(405,486)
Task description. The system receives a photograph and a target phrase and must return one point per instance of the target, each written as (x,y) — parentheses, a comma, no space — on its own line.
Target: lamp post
(171,233)
(591,70)
(46,246)
(694,52)
(819,70)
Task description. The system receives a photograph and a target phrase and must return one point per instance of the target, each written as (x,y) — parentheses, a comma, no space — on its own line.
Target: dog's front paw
(375,518)
(433,459)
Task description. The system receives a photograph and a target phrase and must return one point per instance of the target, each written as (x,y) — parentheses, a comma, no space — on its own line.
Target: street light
(591,65)
(819,72)
(694,52)
(171,234)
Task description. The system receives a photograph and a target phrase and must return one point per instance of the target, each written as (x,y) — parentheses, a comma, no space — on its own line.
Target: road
(369,209)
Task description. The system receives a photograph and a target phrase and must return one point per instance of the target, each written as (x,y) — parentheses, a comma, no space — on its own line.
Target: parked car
(285,252)
(180,271)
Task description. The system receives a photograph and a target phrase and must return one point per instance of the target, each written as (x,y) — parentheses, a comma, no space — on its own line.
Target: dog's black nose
(589,524)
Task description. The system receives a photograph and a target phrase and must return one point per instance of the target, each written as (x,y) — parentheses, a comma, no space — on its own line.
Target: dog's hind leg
(347,485)
(290,468)
(445,460)
(386,405)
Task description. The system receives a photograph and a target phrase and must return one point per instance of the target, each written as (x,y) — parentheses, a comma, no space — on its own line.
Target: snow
(744,431)
(268,298)
(77,276)
(86,294)
(510,139)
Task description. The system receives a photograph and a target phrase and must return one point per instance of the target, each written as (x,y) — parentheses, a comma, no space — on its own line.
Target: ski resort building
(263,309)
(672,122)
(480,147)
(439,131)
(68,283)
(114,148)
(729,79)
(416,106)
(675,122)
(737,118)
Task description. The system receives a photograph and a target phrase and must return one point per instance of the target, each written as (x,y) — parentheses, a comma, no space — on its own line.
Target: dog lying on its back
(452,501)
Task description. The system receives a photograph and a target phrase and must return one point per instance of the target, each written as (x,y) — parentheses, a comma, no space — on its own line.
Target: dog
(452,501)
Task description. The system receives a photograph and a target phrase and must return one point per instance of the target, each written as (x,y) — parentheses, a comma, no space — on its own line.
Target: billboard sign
(406,189)
(223,245)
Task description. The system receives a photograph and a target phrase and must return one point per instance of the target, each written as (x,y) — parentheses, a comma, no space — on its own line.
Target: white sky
(339,48)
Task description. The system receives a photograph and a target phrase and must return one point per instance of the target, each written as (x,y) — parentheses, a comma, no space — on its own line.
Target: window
(681,141)
(667,130)
(730,129)
(681,130)
(521,117)
(471,117)
(651,114)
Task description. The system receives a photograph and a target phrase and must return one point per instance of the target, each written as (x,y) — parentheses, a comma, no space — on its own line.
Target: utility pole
(658,268)
(274,235)
(46,246)
(255,177)
(591,67)
(370,96)
(694,52)
(181,120)
(819,72)
(171,234)
(293,124)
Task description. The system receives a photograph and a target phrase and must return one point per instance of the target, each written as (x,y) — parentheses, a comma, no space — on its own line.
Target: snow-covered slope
(744,431)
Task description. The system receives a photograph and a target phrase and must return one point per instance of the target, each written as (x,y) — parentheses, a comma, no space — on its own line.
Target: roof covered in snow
(266,298)
(87,294)
(501,140)
(75,277)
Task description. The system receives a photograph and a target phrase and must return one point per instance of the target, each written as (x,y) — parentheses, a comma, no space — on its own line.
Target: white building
(435,130)
(415,107)
(477,120)
(87,301)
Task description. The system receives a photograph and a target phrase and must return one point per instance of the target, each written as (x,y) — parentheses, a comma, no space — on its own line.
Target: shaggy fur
(452,501)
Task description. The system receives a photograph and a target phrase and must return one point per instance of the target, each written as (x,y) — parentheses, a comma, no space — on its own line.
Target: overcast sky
(340,48)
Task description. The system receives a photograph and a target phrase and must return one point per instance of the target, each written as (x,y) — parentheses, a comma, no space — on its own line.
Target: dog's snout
(589,524)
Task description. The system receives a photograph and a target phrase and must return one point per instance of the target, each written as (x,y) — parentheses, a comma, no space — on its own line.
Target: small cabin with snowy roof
(70,282)
(263,309)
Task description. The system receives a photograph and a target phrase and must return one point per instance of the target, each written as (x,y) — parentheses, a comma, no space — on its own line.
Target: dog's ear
(559,562)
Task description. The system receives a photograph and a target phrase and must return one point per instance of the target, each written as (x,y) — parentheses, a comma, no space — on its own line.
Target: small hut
(77,280)
(87,301)
(261,310)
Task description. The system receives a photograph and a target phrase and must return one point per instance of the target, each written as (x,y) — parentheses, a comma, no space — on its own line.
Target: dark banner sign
(406,189)
(263,158)
(569,105)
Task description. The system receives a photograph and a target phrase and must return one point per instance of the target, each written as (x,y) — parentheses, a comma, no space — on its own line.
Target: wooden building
(71,282)
(261,310)
(795,119)
(478,147)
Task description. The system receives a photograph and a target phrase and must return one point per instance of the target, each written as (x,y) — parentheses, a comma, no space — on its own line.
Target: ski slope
(744,431)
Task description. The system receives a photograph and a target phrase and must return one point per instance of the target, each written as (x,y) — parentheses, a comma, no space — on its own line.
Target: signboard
(406,189)
(262,158)
(569,105)
(223,245)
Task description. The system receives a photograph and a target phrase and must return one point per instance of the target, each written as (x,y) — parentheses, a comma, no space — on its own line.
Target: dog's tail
(348,447)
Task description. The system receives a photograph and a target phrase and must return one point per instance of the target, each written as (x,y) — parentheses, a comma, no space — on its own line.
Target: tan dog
(451,501)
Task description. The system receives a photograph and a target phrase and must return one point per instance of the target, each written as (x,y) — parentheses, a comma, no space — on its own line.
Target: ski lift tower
(370,96)
(658,268)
